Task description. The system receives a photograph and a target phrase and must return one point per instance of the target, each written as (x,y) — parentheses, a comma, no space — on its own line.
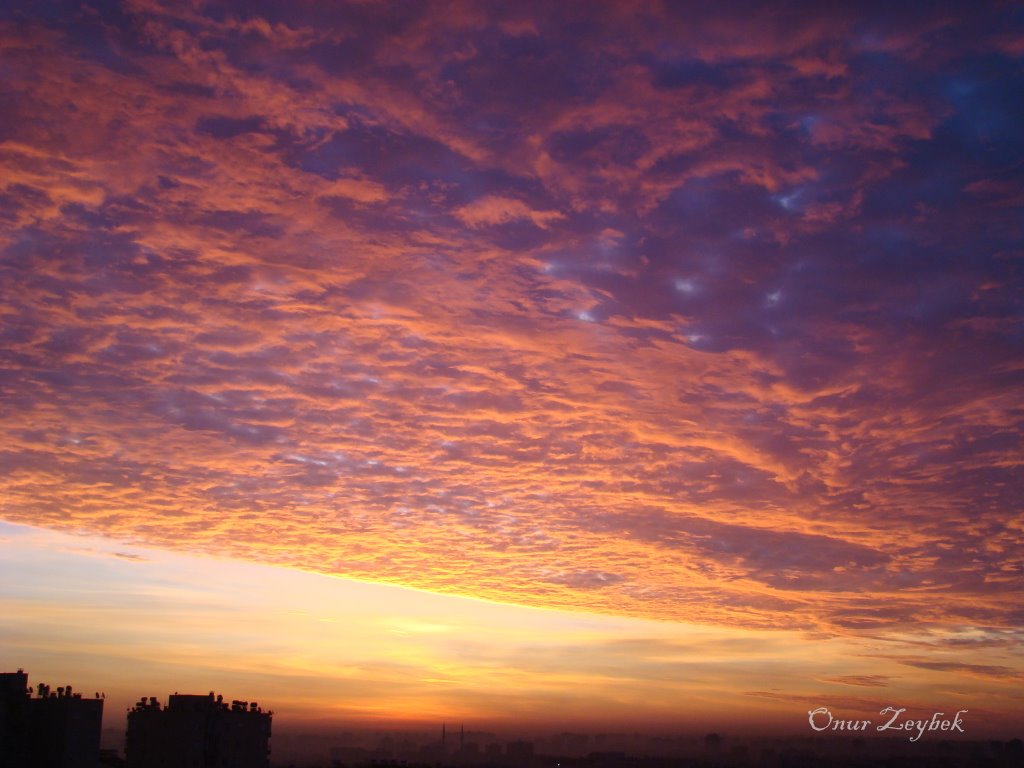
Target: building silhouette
(197,732)
(14,718)
(55,729)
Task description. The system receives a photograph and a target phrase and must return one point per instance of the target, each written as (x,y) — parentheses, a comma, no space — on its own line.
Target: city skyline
(511,363)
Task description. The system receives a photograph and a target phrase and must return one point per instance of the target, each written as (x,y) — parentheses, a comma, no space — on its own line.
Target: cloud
(492,210)
(700,318)
(131,557)
(982,670)
(866,681)
(586,579)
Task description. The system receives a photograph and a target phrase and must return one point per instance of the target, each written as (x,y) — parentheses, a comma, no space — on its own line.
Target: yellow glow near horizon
(324,652)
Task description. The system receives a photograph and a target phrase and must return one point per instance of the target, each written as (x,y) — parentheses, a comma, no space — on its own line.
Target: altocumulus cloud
(683,315)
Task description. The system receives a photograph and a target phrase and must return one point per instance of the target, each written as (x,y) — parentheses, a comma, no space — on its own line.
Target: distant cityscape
(44,727)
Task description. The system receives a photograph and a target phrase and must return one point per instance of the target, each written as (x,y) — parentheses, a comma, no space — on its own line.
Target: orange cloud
(492,210)
(692,332)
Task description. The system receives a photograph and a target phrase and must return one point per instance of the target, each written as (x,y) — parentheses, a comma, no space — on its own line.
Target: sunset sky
(575,363)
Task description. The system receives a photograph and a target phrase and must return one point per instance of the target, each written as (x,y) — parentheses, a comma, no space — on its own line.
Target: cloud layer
(671,314)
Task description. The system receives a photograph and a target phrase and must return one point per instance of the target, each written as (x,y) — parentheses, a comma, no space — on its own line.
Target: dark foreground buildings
(55,729)
(197,732)
(61,729)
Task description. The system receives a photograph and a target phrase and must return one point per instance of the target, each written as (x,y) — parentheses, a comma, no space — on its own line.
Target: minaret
(462,737)
(442,737)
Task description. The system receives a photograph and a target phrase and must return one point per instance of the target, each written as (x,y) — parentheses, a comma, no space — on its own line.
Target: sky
(617,357)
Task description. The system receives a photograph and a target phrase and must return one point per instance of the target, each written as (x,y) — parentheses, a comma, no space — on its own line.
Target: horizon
(258,609)
(516,363)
